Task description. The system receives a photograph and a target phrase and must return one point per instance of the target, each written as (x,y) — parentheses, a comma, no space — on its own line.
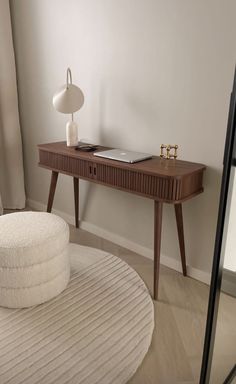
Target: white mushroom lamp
(68,99)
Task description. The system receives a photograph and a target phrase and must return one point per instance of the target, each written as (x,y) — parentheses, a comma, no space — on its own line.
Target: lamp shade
(68,99)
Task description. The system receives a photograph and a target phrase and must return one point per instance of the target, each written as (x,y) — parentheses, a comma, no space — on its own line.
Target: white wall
(152,71)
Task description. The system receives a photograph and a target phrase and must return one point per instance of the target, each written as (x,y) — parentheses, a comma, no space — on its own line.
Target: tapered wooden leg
(53,185)
(180,228)
(157,245)
(76,197)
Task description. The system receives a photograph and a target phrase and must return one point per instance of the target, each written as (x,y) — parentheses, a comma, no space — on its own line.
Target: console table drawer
(166,188)
(137,182)
(66,164)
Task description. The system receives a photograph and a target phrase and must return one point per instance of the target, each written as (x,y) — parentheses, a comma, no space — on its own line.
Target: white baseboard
(229,282)
(123,242)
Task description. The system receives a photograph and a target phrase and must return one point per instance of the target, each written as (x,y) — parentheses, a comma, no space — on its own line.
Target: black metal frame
(231,376)
(221,231)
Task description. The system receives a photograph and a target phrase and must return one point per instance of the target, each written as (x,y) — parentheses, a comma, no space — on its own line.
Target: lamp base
(71,134)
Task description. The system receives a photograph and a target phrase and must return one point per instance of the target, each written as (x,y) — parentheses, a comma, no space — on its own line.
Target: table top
(154,166)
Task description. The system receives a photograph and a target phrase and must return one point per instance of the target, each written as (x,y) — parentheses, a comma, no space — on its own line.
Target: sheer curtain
(12,192)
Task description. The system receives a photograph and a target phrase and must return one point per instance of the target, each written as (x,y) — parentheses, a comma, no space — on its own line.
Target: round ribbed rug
(97,331)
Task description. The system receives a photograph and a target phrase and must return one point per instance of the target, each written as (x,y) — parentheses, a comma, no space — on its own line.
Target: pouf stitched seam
(37,243)
(34,264)
(40,273)
(35,285)
(30,296)
(21,256)
(21,224)
(34,269)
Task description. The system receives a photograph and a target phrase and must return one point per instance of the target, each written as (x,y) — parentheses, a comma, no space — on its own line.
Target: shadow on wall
(102,139)
(200,213)
(109,135)
(200,221)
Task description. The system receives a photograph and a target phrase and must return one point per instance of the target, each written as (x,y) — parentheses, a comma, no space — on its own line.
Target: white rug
(97,331)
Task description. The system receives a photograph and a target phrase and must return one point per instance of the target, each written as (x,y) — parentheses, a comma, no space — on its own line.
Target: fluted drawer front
(148,185)
(66,164)
(169,189)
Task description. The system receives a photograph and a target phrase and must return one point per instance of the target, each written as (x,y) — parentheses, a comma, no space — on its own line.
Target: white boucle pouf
(34,262)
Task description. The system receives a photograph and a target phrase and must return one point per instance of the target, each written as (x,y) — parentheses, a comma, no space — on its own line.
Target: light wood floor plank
(176,351)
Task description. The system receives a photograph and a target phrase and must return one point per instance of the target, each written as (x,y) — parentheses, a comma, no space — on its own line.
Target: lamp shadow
(100,140)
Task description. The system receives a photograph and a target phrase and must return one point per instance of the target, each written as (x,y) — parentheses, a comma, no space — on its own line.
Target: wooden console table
(164,181)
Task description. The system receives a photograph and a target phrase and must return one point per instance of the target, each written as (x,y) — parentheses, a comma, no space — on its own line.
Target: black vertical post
(221,231)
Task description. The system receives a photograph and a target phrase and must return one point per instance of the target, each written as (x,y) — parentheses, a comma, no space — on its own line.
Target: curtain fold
(12,191)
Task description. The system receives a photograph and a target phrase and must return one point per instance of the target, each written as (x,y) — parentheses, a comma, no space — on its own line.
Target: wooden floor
(180,315)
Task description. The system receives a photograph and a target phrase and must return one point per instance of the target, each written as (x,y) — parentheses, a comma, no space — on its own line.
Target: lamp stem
(68,75)
(72,117)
